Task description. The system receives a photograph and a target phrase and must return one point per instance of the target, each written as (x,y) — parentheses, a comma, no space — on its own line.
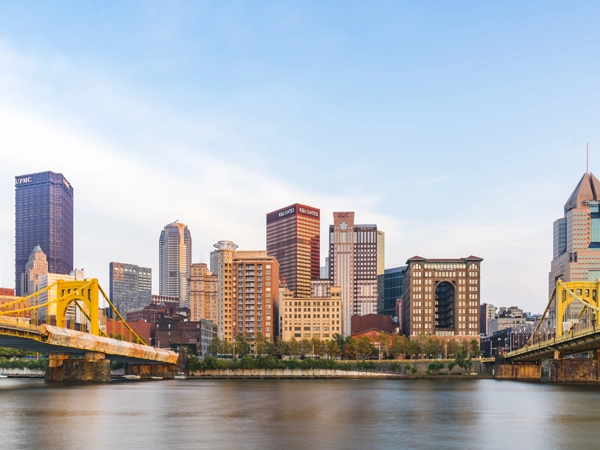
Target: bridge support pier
(94,367)
(571,370)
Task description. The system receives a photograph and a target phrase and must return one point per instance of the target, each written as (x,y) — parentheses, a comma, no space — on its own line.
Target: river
(298,414)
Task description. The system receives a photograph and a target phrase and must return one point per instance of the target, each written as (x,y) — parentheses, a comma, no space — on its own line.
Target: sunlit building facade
(576,238)
(441,297)
(294,238)
(175,260)
(221,264)
(255,294)
(314,317)
(203,293)
(356,260)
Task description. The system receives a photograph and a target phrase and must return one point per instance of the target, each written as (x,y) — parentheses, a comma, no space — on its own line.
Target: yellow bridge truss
(71,296)
(576,306)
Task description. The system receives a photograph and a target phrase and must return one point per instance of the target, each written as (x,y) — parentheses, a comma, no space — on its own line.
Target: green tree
(335,351)
(452,346)
(215,346)
(350,347)
(294,348)
(399,346)
(461,358)
(383,344)
(475,350)
(194,364)
(431,346)
(414,348)
(337,337)
(242,346)
(305,347)
(435,367)
(261,344)
(363,347)
(319,348)
(451,366)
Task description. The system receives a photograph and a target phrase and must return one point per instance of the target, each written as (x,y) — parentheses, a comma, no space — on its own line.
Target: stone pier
(571,370)
(518,371)
(93,367)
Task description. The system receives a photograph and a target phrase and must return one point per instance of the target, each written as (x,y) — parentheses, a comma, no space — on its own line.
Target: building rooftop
(587,189)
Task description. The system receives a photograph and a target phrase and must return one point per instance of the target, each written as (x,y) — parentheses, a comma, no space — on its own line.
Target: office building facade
(130,286)
(44,218)
(294,239)
(356,255)
(576,238)
(391,280)
(175,260)
(313,317)
(442,297)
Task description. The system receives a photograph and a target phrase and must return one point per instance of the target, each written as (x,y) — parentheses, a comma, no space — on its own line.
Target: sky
(459,128)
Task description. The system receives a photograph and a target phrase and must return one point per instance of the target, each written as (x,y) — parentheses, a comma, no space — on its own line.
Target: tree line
(383,347)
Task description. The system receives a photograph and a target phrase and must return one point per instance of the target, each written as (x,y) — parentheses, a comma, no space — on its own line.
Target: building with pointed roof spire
(37,265)
(576,249)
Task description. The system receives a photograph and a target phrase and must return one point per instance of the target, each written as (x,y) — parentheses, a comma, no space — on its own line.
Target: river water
(298,414)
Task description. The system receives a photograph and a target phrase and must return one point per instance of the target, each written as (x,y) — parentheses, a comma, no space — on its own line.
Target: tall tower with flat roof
(44,218)
(294,239)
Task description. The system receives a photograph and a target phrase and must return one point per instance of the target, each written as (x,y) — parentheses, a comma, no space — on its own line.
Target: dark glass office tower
(44,217)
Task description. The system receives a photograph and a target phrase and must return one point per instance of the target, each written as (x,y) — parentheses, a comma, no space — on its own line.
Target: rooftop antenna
(587,157)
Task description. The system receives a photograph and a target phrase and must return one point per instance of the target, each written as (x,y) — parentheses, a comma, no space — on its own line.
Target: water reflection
(290,414)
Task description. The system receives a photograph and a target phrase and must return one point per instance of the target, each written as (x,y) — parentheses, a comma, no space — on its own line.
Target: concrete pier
(94,367)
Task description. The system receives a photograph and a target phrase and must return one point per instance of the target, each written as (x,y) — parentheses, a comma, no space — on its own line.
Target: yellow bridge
(79,327)
(574,312)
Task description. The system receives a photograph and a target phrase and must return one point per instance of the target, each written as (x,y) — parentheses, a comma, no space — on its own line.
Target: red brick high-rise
(294,239)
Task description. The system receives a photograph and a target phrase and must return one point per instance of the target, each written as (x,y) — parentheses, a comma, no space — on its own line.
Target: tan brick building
(441,297)
(203,293)
(319,317)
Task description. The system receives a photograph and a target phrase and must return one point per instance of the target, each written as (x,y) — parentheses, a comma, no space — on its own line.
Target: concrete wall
(288,373)
(23,372)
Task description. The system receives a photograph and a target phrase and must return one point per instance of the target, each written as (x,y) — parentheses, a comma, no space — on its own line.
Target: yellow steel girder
(585,293)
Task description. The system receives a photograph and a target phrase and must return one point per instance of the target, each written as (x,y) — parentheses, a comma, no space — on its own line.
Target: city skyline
(437,124)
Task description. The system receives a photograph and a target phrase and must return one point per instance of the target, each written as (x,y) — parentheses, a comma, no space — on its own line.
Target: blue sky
(458,127)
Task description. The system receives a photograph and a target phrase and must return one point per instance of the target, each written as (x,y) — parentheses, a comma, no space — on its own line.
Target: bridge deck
(51,339)
(569,344)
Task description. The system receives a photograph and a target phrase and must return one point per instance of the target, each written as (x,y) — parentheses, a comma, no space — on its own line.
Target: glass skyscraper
(44,217)
(130,286)
(175,261)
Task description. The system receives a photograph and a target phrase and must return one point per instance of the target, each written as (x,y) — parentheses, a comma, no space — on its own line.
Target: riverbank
(323,374)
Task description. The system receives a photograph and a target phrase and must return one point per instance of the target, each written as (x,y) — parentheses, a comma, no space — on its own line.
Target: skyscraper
(576,249)
(294,239)
(355,261)
(130,286)
(44,217)
(175,260)
(221,263)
